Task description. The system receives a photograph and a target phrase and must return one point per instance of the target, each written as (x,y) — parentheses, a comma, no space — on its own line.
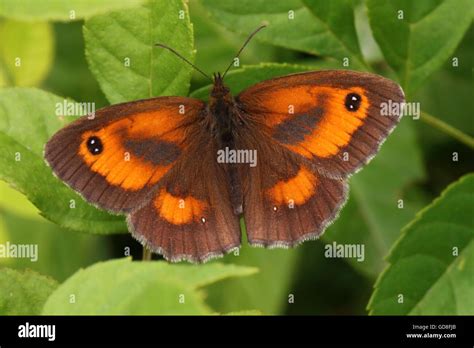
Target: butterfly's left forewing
(115,158)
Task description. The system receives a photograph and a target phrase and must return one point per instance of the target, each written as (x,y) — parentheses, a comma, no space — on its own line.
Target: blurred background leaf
(32,10)
(26,52)
(139,288)
(60,252)
(22,163)
(138,69)
(448,95)
(23,292)
(417,37)
(70,75)
(431,264)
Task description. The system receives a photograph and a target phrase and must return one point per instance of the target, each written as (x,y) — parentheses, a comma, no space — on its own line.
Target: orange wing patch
(179,210)
(116,164)
(297,190)
(280,104)
(336,126)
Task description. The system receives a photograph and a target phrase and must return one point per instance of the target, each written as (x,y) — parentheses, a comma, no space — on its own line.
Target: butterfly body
(223,112)
(224,119)
(184,172)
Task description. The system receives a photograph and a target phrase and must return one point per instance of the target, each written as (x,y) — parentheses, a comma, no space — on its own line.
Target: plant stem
(447,129)
(146,256)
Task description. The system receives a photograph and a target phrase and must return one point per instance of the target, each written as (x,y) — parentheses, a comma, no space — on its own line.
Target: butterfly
(184,171)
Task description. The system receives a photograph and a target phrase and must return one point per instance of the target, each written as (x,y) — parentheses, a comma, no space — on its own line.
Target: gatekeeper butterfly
(157,160)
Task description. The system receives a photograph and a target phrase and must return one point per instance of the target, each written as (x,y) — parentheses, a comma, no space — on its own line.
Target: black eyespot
(353,101)
(94,145)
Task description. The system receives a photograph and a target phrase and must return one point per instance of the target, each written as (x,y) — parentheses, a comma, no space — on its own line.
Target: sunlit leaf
(59,10)
(121,51)
(131,288)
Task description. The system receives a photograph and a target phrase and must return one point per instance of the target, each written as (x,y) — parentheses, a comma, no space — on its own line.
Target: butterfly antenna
(242,48)
(187,61)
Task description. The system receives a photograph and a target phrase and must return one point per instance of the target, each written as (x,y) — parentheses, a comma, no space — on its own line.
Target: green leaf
(137,288)
(27,119)
(371,217)
(431,264)
(337,19)
(319,27)
(121,51)
(418,40)
(23,293)
(26,52)
(33,10)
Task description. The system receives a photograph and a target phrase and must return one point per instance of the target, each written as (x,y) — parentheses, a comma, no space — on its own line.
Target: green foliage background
(77,50)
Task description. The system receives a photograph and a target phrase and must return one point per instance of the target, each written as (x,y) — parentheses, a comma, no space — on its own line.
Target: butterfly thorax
(222,111)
